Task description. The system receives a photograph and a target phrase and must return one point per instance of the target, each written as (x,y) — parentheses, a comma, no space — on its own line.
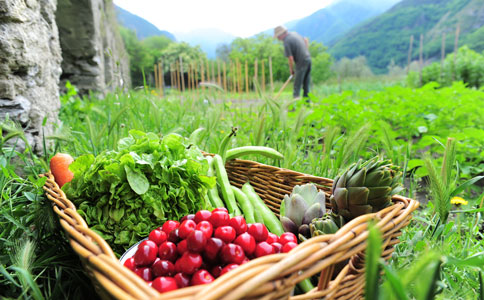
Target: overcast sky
(240,18)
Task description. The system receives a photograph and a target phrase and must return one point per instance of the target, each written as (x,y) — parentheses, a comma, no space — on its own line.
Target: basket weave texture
(338,258)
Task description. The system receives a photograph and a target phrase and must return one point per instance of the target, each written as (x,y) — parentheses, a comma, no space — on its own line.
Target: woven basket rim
(321,252)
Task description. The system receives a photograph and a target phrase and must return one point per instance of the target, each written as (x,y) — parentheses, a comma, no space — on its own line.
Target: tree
(188,54)
(140,59)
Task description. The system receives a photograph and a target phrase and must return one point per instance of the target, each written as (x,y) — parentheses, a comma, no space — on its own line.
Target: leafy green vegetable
(125,194)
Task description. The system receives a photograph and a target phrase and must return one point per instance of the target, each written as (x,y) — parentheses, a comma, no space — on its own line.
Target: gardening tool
(283,86)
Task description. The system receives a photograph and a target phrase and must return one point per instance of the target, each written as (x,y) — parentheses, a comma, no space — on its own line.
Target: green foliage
(352,68)
(124,194)
(468,68)
(188,54)
(387,36)
(36,261)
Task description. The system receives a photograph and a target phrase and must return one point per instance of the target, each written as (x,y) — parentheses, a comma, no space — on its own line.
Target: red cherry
(263,248)
(225,233)
(168,251)
(164,284)
(219,218)
(202,215)
(181,247)
(220,209)
(158,236)
(216,270)
(188,217)
(206,227)
(258,231)
(247,242)
(287,247)
(182,280)
(212,248)
(163,268)
(186,228)
(228,268)
(196,241)
(201,277)
(144,273)
(173,236)
(232,253)
(287,237)
(277,247)
(129,263)
(170,225)
(188,263)
(146,253)
(239,224)
(272,238)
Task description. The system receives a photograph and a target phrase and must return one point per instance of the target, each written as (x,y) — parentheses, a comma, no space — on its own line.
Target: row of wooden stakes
(227,77)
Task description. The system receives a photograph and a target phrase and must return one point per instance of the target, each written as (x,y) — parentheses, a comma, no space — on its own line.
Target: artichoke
(303,205)
(327,224)
(365,188)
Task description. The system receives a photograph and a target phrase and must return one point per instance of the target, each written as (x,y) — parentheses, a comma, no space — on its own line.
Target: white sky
(240,18)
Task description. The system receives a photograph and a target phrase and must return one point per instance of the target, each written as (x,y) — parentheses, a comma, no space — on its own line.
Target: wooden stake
(232,66)
(182,75)
(456,44)
(225,77)
(201,73)
(178,79)
(239,77)
(246,77)
(255,72)
(270,74)
(263,76)
(420,58)
(156,76)
(442,57)
(218,74)
(213,72)
(409,53)
(208,71)
(162,77)
(171,76)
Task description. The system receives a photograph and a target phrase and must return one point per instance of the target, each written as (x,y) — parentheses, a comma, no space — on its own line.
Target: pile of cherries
(203,247)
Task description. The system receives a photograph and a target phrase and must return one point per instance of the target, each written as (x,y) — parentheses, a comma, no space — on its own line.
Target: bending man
(297,52)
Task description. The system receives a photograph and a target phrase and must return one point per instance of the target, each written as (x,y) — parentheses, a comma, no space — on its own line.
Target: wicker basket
(269,277)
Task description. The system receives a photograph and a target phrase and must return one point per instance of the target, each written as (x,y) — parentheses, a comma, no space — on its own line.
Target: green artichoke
(365,188)
(327,224)
(303,205)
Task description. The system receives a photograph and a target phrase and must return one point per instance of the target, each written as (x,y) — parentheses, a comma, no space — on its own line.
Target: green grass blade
(395,283)
(372,265)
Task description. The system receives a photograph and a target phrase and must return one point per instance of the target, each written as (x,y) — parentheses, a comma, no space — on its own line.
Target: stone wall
(92,49)
(92,56)
(30,59)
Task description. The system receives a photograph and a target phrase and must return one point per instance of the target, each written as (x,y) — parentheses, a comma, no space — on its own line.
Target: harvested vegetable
(124,194)
(59,166)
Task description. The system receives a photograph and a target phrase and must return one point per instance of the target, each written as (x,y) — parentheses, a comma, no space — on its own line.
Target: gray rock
(30,60)
(94,58)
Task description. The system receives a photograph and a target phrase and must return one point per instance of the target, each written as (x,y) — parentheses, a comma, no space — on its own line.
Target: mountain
(142,27)
(336,19)
(208,39)
(387,36)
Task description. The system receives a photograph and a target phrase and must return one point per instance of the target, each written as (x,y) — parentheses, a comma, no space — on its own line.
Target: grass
(321,139)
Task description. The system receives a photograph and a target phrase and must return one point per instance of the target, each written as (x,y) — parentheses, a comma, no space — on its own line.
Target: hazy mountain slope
(328,23)
(142,27)
(207,39)
(387,36)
